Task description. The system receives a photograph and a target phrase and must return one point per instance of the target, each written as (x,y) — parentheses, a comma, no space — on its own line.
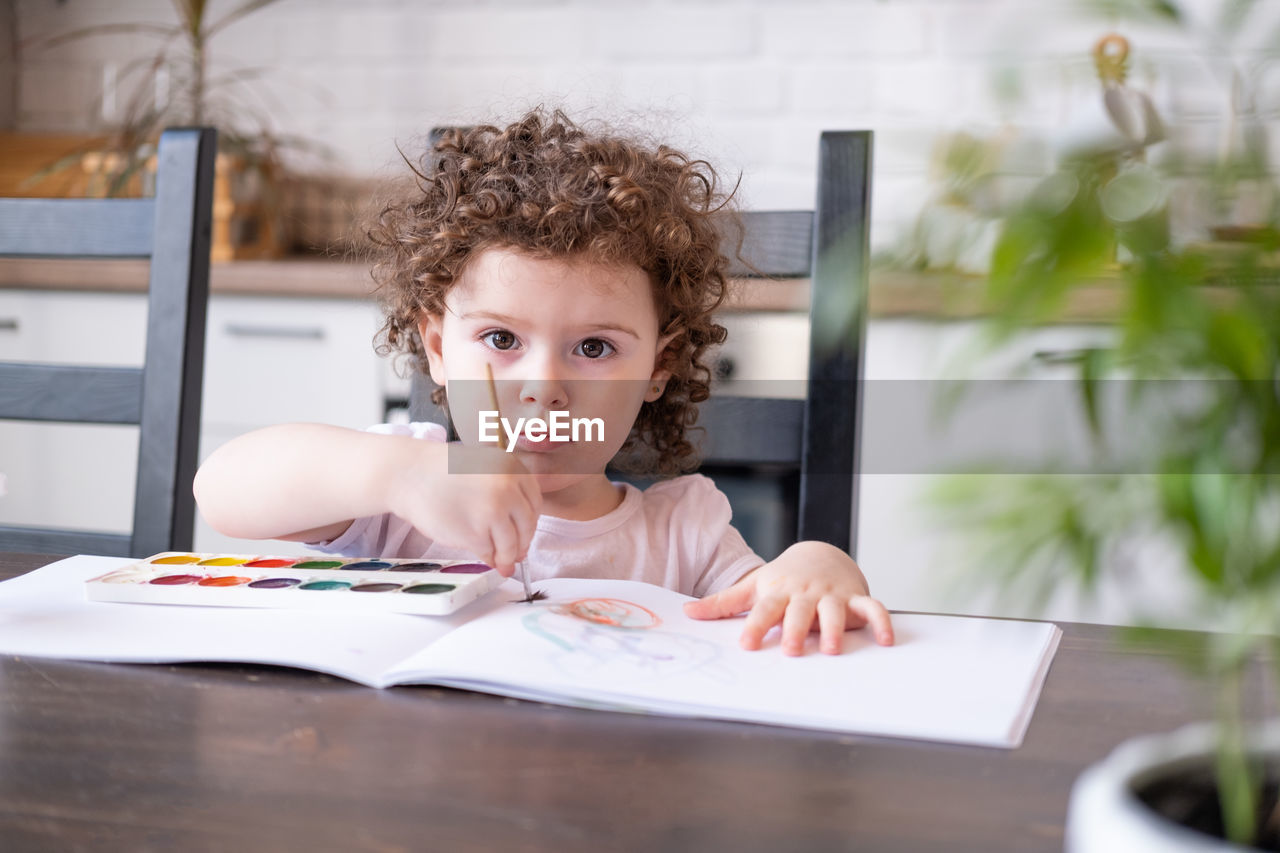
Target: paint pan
(324,586)
(465,569)
(274,583)
(428,588)
(381,586)
(223,580)
(270,563)
(174,580)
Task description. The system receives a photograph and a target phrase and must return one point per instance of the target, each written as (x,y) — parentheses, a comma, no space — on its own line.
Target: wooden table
(240,758)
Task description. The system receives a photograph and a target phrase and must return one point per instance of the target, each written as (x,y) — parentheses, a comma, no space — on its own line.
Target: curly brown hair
(553,189)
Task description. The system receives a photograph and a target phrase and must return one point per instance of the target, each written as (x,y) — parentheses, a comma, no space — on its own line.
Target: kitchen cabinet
(268,360)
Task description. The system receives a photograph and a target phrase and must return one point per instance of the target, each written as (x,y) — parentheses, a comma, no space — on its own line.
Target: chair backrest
(818,436)
(163,396)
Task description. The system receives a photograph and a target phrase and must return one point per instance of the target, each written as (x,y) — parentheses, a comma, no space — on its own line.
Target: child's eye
(594,348)
(500,339)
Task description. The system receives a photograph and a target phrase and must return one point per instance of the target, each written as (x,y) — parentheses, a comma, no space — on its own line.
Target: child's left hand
(807,582)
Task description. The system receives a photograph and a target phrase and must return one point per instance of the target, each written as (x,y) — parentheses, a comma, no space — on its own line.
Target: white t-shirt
(674,534)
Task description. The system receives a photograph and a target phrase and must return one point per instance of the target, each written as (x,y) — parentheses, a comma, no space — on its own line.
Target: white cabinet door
(271,361)
(70,475)
(266,361)
(73,328)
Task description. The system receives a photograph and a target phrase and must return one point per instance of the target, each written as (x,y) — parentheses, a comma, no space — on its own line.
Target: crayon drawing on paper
(620,640)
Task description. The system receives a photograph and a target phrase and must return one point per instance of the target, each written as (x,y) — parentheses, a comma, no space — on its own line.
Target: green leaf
(1240,345)
(1159,10)
(1238,785)
(1095,364)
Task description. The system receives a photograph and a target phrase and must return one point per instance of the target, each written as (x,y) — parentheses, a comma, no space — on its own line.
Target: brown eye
(501,340)
(594,348)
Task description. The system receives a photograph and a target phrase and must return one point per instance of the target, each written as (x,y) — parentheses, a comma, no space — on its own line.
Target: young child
(582,268)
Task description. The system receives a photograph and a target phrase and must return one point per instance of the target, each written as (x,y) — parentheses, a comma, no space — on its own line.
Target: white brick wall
(746,83)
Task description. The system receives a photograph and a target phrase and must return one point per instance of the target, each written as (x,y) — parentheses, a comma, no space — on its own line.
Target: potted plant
(1195,365)
(173,85)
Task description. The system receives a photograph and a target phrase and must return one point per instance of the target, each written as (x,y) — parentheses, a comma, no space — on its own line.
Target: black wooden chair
(163,396)
(812,441)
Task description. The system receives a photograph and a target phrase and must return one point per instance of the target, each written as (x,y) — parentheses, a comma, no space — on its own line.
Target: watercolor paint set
(304,583)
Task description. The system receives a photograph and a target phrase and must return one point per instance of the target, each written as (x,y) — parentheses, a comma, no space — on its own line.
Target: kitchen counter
(894,293)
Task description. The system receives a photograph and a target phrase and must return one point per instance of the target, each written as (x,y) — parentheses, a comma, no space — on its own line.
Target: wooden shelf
(303,278)
(306,277)
(894,293)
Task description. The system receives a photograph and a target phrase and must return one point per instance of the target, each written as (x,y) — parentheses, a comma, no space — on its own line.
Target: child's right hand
(493,515)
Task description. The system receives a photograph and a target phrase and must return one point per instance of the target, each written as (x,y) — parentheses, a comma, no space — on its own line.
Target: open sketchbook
(615,645)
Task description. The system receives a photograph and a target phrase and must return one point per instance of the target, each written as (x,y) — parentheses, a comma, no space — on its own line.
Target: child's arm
(810,581)
(308,482)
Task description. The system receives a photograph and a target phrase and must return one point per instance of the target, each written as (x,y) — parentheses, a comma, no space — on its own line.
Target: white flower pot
(1105,815)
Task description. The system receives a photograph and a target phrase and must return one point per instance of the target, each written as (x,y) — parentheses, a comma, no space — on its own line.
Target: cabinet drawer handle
(8,324)
(308,333)
(1062,356)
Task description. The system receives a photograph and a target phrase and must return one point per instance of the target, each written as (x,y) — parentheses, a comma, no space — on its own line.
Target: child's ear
(660,376)
(430,331)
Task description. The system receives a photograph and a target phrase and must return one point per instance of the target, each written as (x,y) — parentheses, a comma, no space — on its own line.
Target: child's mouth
(541,445)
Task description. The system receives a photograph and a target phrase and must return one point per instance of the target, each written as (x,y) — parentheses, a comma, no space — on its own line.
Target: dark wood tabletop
(240,758)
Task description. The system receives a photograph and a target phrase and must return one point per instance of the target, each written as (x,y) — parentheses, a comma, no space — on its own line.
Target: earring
(655,388)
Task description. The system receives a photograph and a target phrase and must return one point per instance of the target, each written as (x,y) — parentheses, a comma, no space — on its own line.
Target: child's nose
(546,393)
(542,387)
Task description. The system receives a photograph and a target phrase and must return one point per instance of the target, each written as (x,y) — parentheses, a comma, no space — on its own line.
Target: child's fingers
(873,613)
(796,624)
(831,620)
(487,553)
(525,518)
(506,545)
(767,613)
(729,602)
(532,493)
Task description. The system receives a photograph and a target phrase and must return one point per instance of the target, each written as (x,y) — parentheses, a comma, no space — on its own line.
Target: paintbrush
(529,594)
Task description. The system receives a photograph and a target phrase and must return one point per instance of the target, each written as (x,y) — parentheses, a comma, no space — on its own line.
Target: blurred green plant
(954,230)
(1202,310)
(171,86)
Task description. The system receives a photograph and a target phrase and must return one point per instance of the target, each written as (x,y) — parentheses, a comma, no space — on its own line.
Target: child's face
(560,335)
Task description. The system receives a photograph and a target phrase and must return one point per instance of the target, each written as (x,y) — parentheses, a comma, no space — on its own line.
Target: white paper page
(45,614)
(948,678)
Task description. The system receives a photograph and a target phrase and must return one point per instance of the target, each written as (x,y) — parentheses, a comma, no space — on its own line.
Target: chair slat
(751,430)
(177,306)
(47,540)
(420,406)
(773,243)
(837,339)
(56,392)
(86,228)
